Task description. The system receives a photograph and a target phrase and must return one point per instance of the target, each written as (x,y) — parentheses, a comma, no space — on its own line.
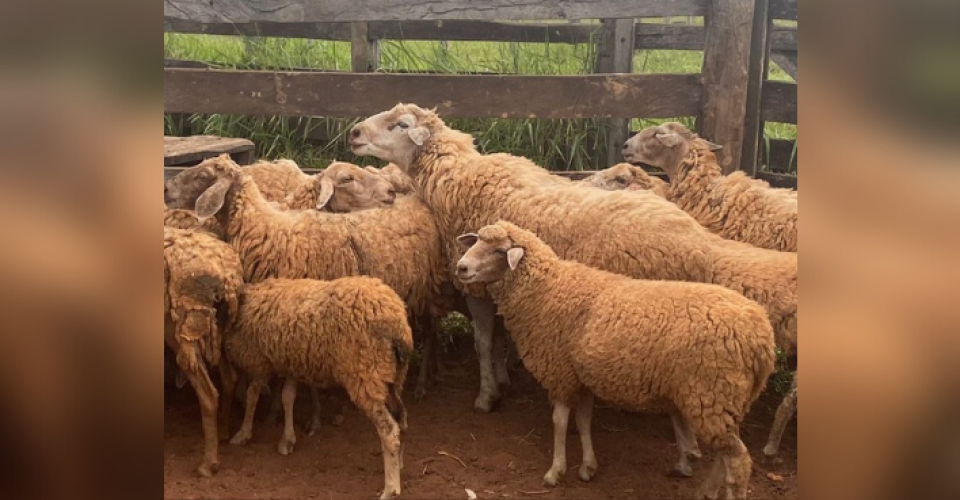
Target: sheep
(733,206)
(342,187)
(202,279)
(352,333)
(400,181)
(639,234)
(627,177)
(188,220)
(699,352)
(399,245)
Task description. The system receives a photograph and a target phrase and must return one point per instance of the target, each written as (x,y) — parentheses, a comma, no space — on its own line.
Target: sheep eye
(403,126)
(346,180)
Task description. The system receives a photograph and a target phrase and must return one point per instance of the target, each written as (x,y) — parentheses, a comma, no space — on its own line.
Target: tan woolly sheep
(399,245)
(733,206)
(700,352)
(635,234)
(201,282)
(341,188)
(188,220)
(627,177)
(352,333)
(401,182)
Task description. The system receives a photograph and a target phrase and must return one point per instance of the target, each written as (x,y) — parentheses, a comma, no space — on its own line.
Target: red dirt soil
(504,454)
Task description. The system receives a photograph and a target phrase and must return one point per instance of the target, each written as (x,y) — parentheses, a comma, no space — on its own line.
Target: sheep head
(626,177)
(396,136)
(203,187)
(491,253)
(344,187)
(400,181)
(663,147)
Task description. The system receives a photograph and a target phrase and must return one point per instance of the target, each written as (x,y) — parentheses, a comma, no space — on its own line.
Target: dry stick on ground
(443,453)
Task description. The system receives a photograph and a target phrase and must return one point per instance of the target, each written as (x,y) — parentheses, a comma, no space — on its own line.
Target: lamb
(202,280)
(627,177)
(639,234)
(400,181)
(399,245)
(352,333)
(733,206)
(699,352)
(342,187)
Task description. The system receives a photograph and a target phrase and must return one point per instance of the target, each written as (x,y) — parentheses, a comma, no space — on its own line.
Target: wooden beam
(780,180)
(783,9)
(759,61)
(364,50)
(313,11)
(191,150)
(777,156)
(726,70)
(615,54)
(784,38)
(780,102)
(787,60)
(358,95)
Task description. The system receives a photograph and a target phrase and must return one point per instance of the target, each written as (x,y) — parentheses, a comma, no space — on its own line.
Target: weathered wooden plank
(784,38)
(777,156)
(245,11)
(353,95)
(780,102)
(187,150)
(783,9)
(615,54)
(759,50)
(787,60)
(364,50)
(726,68)
(780,180)
(669,37)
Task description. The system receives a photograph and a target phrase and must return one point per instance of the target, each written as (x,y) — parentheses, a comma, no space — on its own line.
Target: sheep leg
(228,378)
(207,395)
(245,434)
(584,416)
(315,421)
(786,411)
(500,353)
(561,417)
(429,328)
(276,403)
(686,442)
(389,431)
(289,397)
(484,313)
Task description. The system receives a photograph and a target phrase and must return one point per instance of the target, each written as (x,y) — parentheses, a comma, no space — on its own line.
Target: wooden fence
(732,98)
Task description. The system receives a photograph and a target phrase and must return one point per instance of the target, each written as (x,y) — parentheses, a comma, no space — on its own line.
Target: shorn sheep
(700,352)
(352,333)
(635,234)
(399,245)
(733,206)
(202,280)
(629,178)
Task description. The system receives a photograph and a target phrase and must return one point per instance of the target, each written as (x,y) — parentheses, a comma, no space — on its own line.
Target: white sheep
(699,352)
(351,332)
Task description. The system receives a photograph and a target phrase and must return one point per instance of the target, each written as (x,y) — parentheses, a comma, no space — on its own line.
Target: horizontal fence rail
(779,102)
(313,11)
(460,96)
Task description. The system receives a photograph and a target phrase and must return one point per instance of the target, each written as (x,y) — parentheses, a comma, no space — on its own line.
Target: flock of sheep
(664,297)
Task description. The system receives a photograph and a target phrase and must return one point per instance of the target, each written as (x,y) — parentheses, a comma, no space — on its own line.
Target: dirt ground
(504,454)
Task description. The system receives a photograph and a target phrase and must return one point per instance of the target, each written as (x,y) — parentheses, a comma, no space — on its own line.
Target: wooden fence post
(615,54)
(726,78)
(364,51)
(759,67)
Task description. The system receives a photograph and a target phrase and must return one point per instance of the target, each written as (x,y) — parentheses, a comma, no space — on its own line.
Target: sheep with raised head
(635,234)
(700,352)
(733,206)
(351,332)
(202,280)
(399,245)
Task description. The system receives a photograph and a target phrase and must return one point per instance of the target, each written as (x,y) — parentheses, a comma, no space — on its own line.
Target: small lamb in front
(699,352)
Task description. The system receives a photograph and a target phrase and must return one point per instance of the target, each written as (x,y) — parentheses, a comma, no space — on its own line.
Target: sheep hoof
(285,447)
(314,427)
(587,472)
(390,493)
(241,439)
(552,479)
(683,470)
(695,454)
(420,394)
(338,420)
(485,403)
(208,470)
(771,452)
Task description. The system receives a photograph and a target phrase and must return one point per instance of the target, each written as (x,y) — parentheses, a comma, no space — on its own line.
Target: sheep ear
(326,191)
(419,135)
(670,140)
(212,200)
(514,256)
(469,240)
(181,379)
(712,146)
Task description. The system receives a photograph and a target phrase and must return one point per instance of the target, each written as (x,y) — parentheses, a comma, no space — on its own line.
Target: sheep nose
(392,195)
(626,146)
(355,133)
(462,269)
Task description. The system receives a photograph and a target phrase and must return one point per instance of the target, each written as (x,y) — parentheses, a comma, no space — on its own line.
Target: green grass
(555,144)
